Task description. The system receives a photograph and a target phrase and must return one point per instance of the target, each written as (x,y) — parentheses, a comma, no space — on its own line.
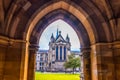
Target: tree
(72,62)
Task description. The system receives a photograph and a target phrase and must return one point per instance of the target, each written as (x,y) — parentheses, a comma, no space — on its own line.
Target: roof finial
(57,33)
(52,38)
(67,38)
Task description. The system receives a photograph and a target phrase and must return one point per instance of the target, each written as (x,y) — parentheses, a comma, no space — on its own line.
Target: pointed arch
(68,18)
(80,14)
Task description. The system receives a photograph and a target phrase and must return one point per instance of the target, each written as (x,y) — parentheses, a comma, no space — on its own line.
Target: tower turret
(57,33)
(67,38)
(52,38)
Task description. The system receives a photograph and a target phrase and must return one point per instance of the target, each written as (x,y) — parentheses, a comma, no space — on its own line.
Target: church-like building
(59,49)
(96,22)
(54,58)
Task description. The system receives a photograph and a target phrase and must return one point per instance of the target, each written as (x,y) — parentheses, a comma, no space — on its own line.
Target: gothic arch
(68,18)
(21,29)
(61,4)
(90,22)
(85,12)
(93,26)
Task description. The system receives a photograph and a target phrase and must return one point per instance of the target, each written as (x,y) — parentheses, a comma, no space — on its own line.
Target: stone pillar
(12,59)
(116,59)
(102,62)
(54,51)
(86,64)
(2,60)
(81,67)
(31,62)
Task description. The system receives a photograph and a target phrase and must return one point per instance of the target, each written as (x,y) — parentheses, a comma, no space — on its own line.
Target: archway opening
(58,41)
(66,17)
(65,29)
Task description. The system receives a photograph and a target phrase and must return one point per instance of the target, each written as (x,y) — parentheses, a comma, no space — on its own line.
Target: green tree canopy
(72,62)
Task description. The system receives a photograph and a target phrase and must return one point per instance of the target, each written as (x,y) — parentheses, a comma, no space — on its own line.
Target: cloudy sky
(65,29)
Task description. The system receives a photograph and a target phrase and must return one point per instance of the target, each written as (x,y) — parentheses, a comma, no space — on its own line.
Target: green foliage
(72,62)
(56,76)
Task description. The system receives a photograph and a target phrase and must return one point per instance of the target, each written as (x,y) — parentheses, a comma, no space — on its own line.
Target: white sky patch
(65,29)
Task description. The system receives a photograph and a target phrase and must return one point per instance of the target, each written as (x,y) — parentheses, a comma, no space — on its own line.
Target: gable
(60,39)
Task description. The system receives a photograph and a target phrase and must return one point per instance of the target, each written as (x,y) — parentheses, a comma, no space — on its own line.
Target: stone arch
(92,22)
(90,17)
(83,16)
(65,6)
(99,21)
(68,18)
(88,14)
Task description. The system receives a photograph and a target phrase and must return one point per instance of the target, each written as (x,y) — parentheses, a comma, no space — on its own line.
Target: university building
(96,22)
(55,57)
(42,60)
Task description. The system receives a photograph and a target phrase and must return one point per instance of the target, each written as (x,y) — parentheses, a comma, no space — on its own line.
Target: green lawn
(56,76)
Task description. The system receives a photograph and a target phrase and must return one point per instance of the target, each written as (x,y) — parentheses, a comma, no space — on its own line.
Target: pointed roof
(57,33)
(60,38)
(52,36)
(67,38)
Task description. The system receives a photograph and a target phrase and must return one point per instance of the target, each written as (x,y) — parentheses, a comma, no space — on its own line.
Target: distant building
(59,49)
(55,57)
(42,60)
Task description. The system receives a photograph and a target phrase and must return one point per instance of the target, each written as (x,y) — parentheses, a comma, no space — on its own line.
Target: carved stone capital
(85,52)
(33,47)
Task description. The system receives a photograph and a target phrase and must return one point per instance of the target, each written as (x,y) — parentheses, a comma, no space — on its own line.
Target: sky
(65,29)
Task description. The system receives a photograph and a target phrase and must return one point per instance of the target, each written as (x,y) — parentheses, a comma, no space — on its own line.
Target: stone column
(102,62)
(81,67)
(116,59)
(54,51)
(3,50)
(12,59)
(31,62)
(86,64)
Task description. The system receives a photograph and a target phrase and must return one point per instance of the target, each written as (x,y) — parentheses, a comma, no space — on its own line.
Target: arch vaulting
(96,22)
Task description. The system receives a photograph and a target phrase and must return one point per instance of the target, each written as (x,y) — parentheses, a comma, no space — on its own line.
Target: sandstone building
(96,22)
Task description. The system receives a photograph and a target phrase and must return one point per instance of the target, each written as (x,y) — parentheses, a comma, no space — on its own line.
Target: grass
(56,76)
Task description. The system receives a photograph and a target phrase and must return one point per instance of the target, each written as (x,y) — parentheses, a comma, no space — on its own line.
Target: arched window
(60,52)
(64,52)
(56,52)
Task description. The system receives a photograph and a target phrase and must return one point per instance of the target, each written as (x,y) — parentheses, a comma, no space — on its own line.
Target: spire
(57,33)
(67,38)
(52,38)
